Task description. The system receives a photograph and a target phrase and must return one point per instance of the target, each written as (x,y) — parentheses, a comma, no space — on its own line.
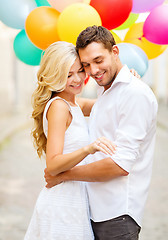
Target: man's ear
(115,50)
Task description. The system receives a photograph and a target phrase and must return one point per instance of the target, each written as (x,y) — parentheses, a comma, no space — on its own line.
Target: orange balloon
(41,26)
(135,36)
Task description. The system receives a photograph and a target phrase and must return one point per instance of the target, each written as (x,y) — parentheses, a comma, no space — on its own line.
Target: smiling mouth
(77,86)
(98,77)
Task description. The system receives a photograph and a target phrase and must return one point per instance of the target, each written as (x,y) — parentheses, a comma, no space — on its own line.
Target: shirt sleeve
(137,115)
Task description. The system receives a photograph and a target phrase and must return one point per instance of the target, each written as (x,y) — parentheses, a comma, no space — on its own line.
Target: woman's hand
(102,144)
(135,73)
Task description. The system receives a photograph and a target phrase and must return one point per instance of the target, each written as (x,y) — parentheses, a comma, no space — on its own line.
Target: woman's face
(76,78)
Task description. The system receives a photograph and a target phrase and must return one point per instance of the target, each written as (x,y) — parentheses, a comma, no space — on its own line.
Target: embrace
(97,174)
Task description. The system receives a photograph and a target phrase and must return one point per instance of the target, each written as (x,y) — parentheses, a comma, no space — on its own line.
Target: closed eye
(81,70)
(100,61)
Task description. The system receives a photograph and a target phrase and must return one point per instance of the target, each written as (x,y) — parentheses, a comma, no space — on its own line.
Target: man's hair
(97,34)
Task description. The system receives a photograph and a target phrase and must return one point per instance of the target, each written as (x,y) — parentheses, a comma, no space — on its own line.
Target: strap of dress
(45,121)
(51,100)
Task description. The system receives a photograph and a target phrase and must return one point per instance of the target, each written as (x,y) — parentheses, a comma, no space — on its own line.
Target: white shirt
(125,114)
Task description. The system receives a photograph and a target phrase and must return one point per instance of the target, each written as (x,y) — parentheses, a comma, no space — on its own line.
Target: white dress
(61,212)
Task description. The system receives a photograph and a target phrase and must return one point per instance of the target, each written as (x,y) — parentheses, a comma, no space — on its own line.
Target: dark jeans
(120,228)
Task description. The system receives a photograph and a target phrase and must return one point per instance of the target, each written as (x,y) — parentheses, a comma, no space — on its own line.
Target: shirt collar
(122,77)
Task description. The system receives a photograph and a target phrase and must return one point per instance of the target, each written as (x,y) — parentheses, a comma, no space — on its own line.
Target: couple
(115,169)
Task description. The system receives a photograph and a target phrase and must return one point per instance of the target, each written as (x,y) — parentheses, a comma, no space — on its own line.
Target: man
(125,113)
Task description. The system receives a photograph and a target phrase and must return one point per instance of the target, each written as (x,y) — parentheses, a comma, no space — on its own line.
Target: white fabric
(61,212)
(126,114)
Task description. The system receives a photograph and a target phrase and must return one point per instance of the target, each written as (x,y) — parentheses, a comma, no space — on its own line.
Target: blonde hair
(52,78)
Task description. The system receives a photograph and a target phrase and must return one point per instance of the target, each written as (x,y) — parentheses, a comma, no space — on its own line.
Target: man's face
(99,63)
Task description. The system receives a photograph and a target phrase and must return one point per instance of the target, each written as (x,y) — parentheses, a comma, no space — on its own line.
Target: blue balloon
(134,57)
(25,50)
(13,13)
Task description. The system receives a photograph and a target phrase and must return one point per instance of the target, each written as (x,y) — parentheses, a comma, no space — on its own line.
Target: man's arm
(100,171)
(86,105)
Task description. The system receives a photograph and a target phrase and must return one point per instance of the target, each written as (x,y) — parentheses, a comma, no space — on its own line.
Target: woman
(61,133)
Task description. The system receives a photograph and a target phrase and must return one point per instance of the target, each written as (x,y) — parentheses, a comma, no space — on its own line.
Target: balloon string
(140,38)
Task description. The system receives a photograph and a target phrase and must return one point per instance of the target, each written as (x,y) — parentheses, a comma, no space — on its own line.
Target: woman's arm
(86,105)
(99,171)
(59,118)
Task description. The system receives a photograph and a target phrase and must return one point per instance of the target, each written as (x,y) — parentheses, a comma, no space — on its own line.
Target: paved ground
(21,178)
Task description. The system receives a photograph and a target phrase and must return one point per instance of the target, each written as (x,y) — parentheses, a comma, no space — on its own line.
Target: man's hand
(52,180)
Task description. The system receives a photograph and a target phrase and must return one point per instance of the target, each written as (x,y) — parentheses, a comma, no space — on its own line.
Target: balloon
(130,20)
(42,3)
(87,1)
(14,13)
(41,26)
(134,57)
(116,37)
(86,80)
(112,12)
(140,6)
(74,19)
(135,36)
(156,25)
(25,50)
(59,5)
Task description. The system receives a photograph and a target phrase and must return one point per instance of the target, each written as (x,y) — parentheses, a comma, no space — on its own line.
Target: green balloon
(25,50)
(130,20)
(42,3)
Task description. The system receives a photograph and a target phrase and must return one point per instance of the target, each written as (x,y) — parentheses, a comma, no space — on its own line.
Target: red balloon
(112,12)
(86,80)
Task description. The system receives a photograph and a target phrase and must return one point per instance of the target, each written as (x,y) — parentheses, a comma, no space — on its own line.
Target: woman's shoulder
(57,106)
(59,103)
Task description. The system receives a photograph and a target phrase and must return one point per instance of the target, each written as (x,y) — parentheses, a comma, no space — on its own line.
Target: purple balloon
(155,27)
(140,6)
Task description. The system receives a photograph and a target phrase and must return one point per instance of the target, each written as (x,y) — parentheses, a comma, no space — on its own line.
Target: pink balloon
(140,6)
(59,5)
(155,27)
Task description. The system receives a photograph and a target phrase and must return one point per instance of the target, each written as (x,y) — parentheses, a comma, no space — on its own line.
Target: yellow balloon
(135,36)
(87,1)
(116,37)
(74,19)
